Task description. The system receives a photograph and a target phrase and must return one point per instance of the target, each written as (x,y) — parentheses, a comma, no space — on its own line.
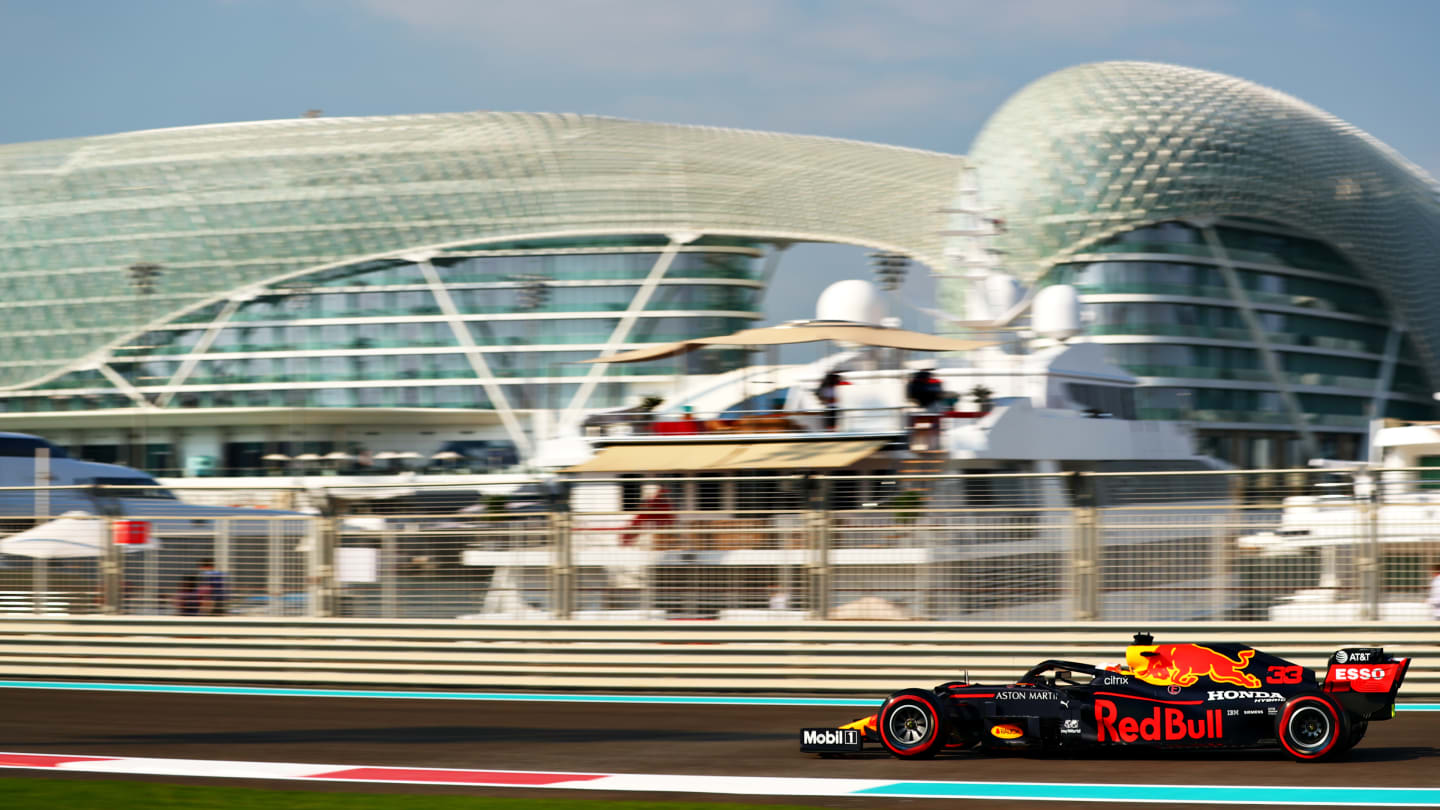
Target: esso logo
(1359,673)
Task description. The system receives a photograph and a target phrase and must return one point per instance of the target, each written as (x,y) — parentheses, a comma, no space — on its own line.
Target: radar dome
(998,295)
(1055,313)
(852,300)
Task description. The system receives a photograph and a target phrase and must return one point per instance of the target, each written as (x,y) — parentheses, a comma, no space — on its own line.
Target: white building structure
(199,298)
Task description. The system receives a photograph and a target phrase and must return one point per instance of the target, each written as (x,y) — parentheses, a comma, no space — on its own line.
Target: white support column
(1387,372)
(1262,343)
(124,385)
(767,271)
(627,320)
(201,347)
(461,330)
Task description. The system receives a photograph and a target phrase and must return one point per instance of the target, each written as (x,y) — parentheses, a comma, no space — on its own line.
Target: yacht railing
(687,424)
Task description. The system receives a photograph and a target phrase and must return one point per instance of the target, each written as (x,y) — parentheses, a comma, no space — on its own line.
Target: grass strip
(38,794)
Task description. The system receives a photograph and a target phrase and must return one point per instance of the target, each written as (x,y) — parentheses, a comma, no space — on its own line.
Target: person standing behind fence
(212,588)
(924,389)
(829,396)
(655,514)
(1434,600)
(189,600)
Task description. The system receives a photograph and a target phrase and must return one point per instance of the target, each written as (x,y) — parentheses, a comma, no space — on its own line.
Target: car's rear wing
(1365,680)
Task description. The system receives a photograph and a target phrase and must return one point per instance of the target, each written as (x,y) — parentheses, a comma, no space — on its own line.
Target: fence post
(1085,582)
(1220,569)
(111,598)
(562,577)
(274,570)
(323,531)
(222,554)
(1369,558)
(817,519)
(39,583)
(150,589)
(388,573)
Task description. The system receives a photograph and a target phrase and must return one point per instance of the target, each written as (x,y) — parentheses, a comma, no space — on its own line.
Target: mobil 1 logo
(829,740)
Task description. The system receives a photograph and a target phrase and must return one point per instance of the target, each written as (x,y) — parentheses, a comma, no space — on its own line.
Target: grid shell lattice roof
(222,208)
(1090,151)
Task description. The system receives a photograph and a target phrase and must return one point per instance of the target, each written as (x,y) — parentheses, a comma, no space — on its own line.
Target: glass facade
(376,335)
(1158,298)
(1265,268)
(337,202)
(461,261)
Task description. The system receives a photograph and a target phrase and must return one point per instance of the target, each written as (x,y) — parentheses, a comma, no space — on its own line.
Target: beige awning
(801,455)
(759,456)
(654,457)
(809,332)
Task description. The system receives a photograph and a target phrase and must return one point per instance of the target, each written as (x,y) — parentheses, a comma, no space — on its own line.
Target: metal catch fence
(1285,545)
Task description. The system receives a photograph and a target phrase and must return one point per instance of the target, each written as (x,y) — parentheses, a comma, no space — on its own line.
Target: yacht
(38,481)
(719,475)
(1360,547)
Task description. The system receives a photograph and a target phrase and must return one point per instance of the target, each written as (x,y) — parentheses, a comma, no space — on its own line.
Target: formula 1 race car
(1164,696)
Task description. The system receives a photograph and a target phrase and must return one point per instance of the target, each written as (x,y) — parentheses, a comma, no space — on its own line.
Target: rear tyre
(911,724)
(1313,728)
(1357,733)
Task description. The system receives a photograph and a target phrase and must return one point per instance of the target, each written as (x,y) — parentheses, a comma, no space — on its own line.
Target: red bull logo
(863,725)
(1184,664)
(1163,725)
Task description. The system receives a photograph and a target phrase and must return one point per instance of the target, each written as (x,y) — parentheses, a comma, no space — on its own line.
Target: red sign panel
(131,532)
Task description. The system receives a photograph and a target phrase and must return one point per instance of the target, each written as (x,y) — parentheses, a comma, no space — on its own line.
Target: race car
(1163,696)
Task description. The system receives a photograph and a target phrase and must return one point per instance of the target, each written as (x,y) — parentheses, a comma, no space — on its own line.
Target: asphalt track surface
(625,738)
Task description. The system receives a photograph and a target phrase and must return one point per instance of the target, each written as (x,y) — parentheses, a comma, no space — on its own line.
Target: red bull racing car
(1164,696)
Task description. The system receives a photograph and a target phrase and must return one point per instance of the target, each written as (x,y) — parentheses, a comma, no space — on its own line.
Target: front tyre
(1311,728)
(911,724)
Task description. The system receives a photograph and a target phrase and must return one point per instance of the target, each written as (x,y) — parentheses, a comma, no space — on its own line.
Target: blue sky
(921,73)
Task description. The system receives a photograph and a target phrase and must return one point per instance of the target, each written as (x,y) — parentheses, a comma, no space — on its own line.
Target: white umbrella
(870,608)
(73,534)
(307,457)
(408,454)
(446,455)
(386,455)
(274,457)
(338,455)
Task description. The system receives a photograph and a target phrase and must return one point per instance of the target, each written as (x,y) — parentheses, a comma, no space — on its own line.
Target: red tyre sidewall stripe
(884,725)
(1285,724)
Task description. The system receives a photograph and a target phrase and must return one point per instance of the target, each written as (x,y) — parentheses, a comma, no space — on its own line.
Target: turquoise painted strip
(1350,796)
(533,697)
(261,691)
